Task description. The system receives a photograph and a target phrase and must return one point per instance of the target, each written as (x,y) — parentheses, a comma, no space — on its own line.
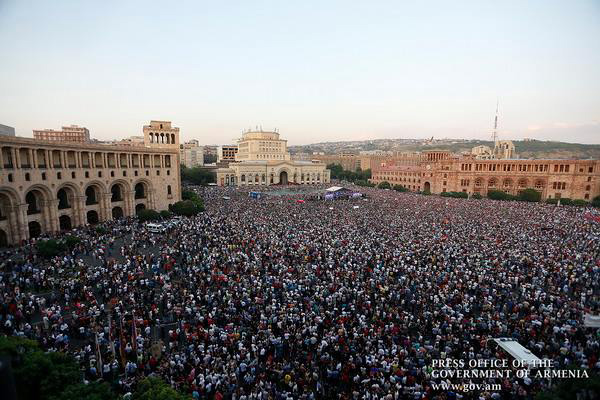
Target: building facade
(72,133)
(192,154)
(7,130)
(226,153)
(48,187)
(348,161)
(438,173)
(263,159)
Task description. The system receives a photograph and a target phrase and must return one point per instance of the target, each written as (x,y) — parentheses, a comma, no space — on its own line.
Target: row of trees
(197,175)
(57,376)
(359,177)
(53,247)
(190,204)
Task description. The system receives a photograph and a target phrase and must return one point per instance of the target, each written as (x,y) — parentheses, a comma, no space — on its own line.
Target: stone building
(7,130)
(72,133)
(263,159)
(55,186)
(440,172)
(226,153)
(191,154)
(348,161)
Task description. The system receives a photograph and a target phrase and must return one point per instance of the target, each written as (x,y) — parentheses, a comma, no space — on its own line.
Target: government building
(49,186)
(442,171)
(262,158)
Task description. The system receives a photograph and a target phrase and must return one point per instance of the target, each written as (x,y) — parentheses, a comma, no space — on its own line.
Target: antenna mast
(495,134)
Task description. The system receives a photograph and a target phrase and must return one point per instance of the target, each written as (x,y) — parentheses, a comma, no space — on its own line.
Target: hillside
(525,149)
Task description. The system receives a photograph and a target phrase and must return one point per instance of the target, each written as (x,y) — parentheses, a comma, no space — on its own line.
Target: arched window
(169,189)
(63,199)
(140,191)
(90,196)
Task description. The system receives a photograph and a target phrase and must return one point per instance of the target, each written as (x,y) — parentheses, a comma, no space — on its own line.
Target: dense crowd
(352,299)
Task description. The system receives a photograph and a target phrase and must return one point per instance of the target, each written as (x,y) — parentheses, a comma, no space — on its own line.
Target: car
(156,228)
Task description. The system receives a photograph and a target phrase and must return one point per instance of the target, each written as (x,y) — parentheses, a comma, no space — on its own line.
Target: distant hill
(525,148)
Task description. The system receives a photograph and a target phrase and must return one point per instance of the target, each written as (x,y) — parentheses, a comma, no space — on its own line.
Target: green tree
(596,201)
(185,207)
(71,241)
(384,185)
(476,196)
(50,248)
(148,215)
(156,389)
(400,188)
(198,175)
(530,195)
(193,197)
(45,375)
(497,195)
(580,203)
(165,214)
(91,391)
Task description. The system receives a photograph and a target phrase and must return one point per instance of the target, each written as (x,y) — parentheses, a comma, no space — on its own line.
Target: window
(99,174)
(135,173)
(169,190)
(124,173)
(168,172)
(27,177)
(587,196)
(587,188)
(112,174)
(10,177)
(147,173)
(43,176)
(157,172)
(58,175)
(87,174)
(589,179)
(73,175)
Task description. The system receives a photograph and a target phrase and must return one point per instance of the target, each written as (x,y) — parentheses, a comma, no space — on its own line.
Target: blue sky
(317,70)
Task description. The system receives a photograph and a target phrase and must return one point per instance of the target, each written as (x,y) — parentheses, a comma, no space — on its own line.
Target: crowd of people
(272,298)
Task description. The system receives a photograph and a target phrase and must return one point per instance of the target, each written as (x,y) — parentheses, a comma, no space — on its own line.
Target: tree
(456,195)
(400,188)
(50,248)
(596,201)
(198,175)
(476,196)
(45,375)
(156,389)
(185,207)
(384,185)
(193,196)
(580,203)
(499,195)
(91,391)
(530,195)
(148,215)
(71,241)
(165,214)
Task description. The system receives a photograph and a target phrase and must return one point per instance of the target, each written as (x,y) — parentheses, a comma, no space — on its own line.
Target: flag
(134,333)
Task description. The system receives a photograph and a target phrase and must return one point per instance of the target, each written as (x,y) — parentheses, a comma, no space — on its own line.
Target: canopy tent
(518,352)
(337,189)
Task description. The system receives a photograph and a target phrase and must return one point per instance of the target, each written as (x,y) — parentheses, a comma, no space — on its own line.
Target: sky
(316,70)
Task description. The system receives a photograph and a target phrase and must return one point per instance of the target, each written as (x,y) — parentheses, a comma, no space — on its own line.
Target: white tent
(591,321)
(518,352)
